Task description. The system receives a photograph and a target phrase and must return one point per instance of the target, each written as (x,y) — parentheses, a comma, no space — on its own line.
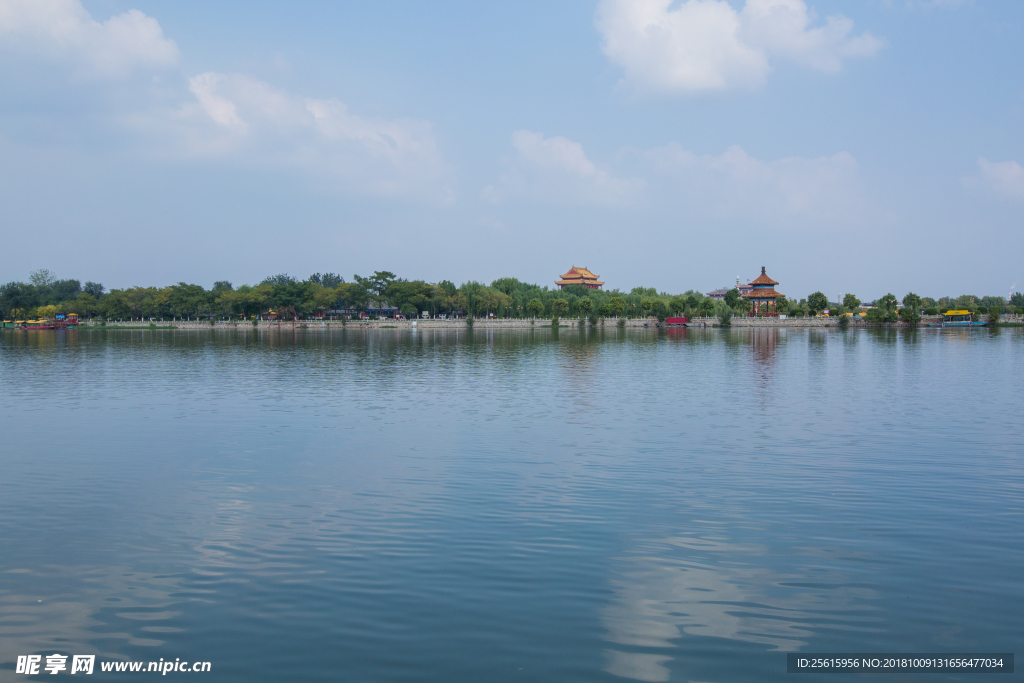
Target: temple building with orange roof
(762,295)
(579,276)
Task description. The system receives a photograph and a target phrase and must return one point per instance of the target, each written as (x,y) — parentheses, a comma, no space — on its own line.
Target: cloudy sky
(867,147)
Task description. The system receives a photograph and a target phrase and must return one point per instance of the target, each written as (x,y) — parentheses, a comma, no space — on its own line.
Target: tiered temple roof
(763,288)
(579,276)
(762,296)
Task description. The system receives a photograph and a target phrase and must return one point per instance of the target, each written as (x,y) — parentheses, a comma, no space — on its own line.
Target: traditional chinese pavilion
(579,276)
(762,295)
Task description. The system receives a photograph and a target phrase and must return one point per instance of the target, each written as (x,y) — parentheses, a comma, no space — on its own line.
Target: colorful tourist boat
(959,319)
(61,322)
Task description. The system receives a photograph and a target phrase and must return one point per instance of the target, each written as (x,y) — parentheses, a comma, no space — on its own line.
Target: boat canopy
(957,313)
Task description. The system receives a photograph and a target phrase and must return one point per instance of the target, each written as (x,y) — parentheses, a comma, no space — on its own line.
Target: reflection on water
(534,504)
(704,587)
(763,341)
(91,605)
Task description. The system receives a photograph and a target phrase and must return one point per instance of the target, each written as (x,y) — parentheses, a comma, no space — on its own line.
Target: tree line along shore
(384,294)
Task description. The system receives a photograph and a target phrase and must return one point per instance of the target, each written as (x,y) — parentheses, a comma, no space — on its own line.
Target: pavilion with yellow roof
(579,276)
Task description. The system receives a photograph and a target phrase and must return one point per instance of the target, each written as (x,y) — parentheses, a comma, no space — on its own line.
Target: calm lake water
(531,505)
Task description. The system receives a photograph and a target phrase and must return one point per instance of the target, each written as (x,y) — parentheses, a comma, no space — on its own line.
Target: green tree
(329,280)
(186,300)
(645,306)
(732,297)
(706,307)
(116,305)
(255,299)
(279,279)
(325,298)
(84,305)
(416,292)
(534,308)
(887,302)
(507,285)
(62,290)
(584,306)
(817,303)
(18,296)
(912,300)
(42,278)
(881,315)
(659,309)
(559,308)
(376,285)
(491,300)
(851,302)
(616,305)
(908,314)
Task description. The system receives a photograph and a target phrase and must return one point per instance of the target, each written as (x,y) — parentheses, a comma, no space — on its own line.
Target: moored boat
(61,322)
(960,319)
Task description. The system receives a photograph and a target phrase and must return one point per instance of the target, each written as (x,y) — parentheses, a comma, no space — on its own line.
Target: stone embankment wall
(479,323)
(456,324)
(788,322)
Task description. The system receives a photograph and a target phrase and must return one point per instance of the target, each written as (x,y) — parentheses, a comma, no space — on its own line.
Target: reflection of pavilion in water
(762,342)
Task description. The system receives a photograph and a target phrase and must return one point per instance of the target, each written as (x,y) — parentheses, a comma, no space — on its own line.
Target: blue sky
(865,147)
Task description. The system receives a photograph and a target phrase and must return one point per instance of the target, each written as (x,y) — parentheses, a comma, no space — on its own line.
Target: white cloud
(63,31)
(1003,178)
(784,192)
(240,119)
(787,193)
(707,45)
(225,118)
(783,27)
(557,169)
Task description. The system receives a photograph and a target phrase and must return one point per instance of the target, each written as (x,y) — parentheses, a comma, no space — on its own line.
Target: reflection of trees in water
(39,339)
(884,335)
(578,352)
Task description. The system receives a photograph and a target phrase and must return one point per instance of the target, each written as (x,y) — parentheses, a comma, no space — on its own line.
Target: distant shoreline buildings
(719,294)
